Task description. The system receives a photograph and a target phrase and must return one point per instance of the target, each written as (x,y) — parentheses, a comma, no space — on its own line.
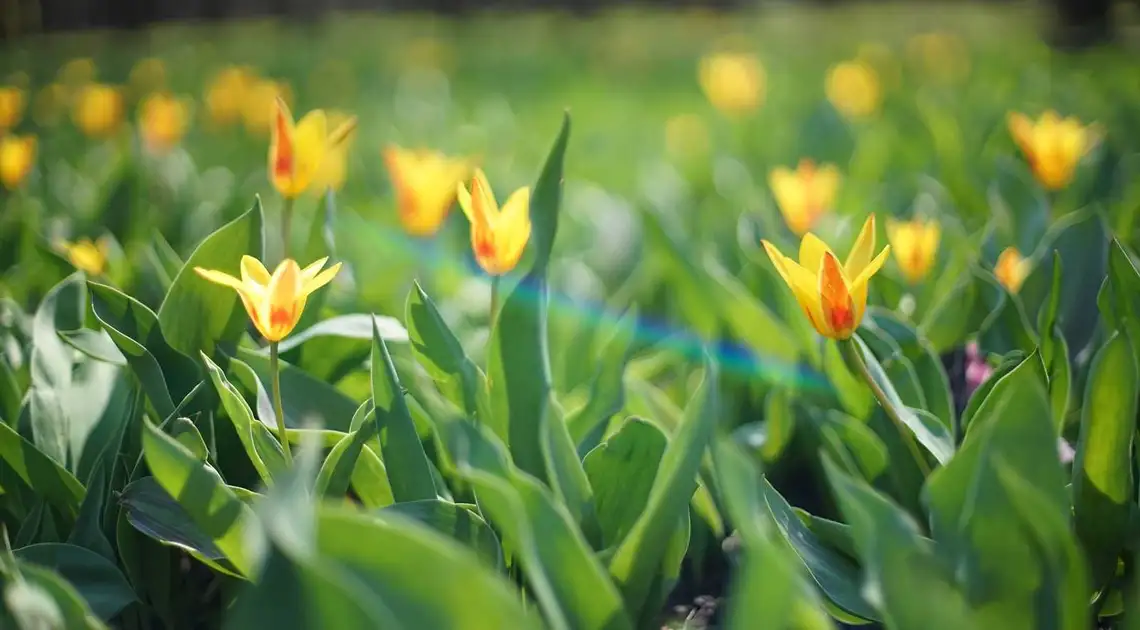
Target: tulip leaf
(165,374)
(197,315)
(332,348)
(928,369)
(439,352)
(262,448)
(52,482)
(749,319)
(634,563)
(461,522)
(409,472)
(1102,471)
(852,442)
(621,472)
(607,387)
(93,343)
(99,581)
(213,508)
(68,602)
(305,398)
(1020,205)
(955,316)
(545,203)
(1120,306)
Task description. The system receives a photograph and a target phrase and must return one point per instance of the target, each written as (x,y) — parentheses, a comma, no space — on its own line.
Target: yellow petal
(320,279)
(218,277)
(342,134)
(282,149)
(515,217)
(802,283)
(1021,128)
(839,315)
(859,284)
(282,307)
(863,249)
(312,269)
(465,201)
(791,199)
(253,271)
(812,250)
(311,144)
(826,183)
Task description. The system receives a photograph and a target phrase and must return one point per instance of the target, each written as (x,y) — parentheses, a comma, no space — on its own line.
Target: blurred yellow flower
(334,167)
(915,244)
(425,183)
(85,255)
(853,89)
(733,82)
(296,151)
(163,119)
(803,195)
(498,236)
(226,94)
(1053,145)
(12,102)
(77,72)
(148,75)
(1011,269)
(17,156)
(940,56)
(833,296)
(50,104)
(259,103)
(274,302)
(686,137)
(98,110)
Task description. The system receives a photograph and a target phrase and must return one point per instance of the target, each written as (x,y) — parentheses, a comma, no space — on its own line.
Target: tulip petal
(485,207)
(340,136)
(319,280)
(310,144)
(862,250)
(312,269)
(282,150)
(802,283)
(859,284)
(218,277)
(515,220)
(1021,128)
(812,249)
(253,271)
(281,309)
(839,315)
(792,199)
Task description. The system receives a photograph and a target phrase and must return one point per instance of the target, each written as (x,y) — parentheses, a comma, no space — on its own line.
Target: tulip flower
(259,103)
(426,183)
(915,245)
(226,95)
(498,237)
(804,194)
(333,170)
(296,151)
(17,156)
(733,82)
(162,121)
(98,110)
(832,295)
(85,255)
(1053,145)
(12,102)
(853,89)
(274,302)
(1011,269)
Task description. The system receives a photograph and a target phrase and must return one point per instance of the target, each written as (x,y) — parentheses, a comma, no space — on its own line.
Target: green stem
(854,357)
(493,314)
(286,227)
(278,408)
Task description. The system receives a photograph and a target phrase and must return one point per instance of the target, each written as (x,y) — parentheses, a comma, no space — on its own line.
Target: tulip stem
(278,408)
(286,226)
(493,314)
(854,357)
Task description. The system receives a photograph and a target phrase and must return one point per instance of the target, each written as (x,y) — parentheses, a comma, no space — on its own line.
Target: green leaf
(49,480)
(607,391)
(152,511)
(621,471)
(213,507)
(69,603)
(749,319)
(928,368)
(914,589)
(979,396)
(853,442)
(93,343)
(408,470)
(837,577)
(305,399)
(634,563)
(853,394)
(262,448)
(461,522)
(779,424)
(99,581)
(334,347)
(1103,493)
(954,317)
(196,315)
(184,431)
(545,202)
(353,460)
(439,352)
(166,375)
(1121,292)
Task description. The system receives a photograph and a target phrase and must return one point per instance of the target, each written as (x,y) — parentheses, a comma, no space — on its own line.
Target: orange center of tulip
(283,162)
(280,317)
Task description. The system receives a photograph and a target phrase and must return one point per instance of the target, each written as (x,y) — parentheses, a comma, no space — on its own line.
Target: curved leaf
(98,580)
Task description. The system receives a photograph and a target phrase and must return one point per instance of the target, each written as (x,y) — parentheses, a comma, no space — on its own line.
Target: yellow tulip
(17,156)
(274,302)
(1053,145)
(425,182)
(915,244)
(260,99)
(853,89)
(733,82)
(87,256)
(805,193)
(833,296)
(333,170)
(98,110)
(162,121)
(226,95)
(296,151)
(498,237)
(11,106)
(1011,269)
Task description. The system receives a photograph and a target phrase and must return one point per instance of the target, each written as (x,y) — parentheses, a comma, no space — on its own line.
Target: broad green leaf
(404,458)
(334,347)
(1013,360)
(166,375)
(305,399)
(1103,492)
(621,472)
(262,448)
(441,355)
(546,200)
(197,315)
(634,563)
(93,343)
(855,440)
(186,434)
(213,507)
(928,368)
(461,522)
(49,480)
(99,581)
(954,317)
(1121,294)
(74,613)
(913,588)
(837,577)
(851,392)
(607,391)
(152,511)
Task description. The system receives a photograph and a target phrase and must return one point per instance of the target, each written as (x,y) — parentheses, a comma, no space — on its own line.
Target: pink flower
(977,370)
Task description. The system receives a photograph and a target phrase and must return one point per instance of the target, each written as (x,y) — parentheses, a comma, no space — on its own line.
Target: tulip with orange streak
(1011,269)
(426,183)
(915,245)
(498,236)
(833,295)
(1052,145)
(296,150)
(17,156)
(804,194)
